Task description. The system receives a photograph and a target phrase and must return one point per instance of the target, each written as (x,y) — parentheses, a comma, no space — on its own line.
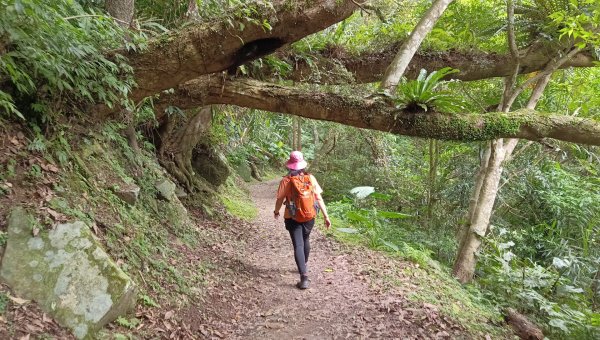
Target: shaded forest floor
(256,295)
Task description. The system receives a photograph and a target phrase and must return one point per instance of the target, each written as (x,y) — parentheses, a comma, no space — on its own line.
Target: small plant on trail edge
(3,302)
(369,224)
(129,323)
(424,94)
(148,301)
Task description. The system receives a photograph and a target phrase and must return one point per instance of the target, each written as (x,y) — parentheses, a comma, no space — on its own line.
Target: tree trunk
(485,196)
(479,217)
(192,12)
(179,137)
(434,153)
(377,145)
(410,46)
(326,148)
(254,172)
(296,133)
(473,65)
(208,50)
(214,47)
(464,266)
(122,10)
(524,328)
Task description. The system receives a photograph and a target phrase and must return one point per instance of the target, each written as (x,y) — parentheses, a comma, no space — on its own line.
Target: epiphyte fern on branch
(425,93)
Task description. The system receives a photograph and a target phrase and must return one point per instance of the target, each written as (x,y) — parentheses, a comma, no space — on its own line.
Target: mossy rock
(67,272)
(244,171)
(211,165)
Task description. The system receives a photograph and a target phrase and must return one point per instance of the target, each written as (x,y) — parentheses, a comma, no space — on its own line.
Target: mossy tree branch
(373,113)
(206,48)
(369,67)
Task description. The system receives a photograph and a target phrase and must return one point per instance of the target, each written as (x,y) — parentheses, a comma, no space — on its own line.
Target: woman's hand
(327,222)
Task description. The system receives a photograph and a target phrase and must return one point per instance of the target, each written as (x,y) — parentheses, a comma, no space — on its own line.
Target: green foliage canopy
(53,52)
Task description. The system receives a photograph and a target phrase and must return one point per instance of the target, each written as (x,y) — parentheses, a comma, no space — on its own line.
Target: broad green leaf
(356,216)
(392,214)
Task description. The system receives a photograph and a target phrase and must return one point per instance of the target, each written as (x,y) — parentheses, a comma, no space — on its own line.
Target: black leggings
(300,232)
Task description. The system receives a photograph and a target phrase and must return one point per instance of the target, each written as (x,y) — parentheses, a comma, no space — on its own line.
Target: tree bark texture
(296,133)
(524,328)
(122,10)
(326,148)
(375,114)
(378,150)
(179,137)
(370,67)
(464,265)
(192,12)
(410,46)
(212,47)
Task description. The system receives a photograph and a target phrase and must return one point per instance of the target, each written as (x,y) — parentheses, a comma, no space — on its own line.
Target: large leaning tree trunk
(212,47)
(499,151)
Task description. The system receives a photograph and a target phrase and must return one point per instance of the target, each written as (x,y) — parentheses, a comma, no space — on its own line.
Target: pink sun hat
(296,161)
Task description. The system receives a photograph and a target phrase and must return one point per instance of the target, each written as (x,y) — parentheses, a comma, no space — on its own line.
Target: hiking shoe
(303,284)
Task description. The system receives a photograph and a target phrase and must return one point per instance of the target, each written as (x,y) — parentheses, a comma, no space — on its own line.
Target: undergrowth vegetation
(140,237)
(541,254)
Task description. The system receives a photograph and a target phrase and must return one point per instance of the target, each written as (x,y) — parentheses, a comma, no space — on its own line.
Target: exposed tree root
(178,138)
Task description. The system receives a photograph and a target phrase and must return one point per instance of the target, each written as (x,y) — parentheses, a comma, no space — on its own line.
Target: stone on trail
(67,273)
(166,189)
(128,193)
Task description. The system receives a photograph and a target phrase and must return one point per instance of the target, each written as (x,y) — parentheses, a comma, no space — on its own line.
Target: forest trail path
(260,300)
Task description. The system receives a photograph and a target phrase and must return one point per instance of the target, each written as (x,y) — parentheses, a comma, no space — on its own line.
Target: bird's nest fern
(427,93)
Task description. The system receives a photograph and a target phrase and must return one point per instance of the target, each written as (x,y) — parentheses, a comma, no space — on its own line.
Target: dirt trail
(260,300)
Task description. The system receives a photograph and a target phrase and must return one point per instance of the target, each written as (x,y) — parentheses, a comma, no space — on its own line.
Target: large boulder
(67,273)
(211,165)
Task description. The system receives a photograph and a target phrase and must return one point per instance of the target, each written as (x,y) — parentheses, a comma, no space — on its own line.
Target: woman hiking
(302,196)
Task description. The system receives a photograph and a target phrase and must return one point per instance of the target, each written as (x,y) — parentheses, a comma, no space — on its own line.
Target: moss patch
(237,202)
(461,127)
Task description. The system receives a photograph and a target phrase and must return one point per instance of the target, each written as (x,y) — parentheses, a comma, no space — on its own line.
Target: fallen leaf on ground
(17,300)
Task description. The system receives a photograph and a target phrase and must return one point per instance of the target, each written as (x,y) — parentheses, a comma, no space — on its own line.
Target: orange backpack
(301,199)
